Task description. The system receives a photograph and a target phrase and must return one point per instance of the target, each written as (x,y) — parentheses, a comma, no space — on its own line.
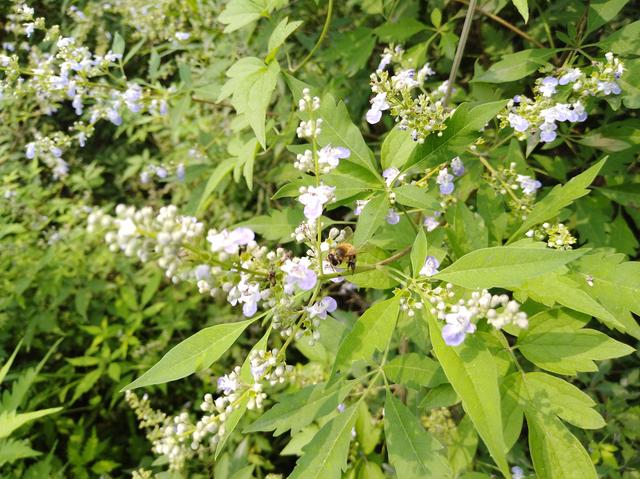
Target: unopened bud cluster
(556,235)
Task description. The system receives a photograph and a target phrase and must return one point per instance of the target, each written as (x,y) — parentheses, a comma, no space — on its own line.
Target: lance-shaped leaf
(472,371)
(505,266)
(559,197)
(296,410)
(567,351)
(325,457)
(413,452)
(515,66)
(371,333)
(370,219)
(11,420)
(418,253)
(193,354)
(414,370)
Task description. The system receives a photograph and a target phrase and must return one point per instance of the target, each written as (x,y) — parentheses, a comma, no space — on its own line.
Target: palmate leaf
(11,420)
(505,266)
(193,354)
(371,333)
(325,457)
(559,197)
(472,371)
(12,450)
(413,452)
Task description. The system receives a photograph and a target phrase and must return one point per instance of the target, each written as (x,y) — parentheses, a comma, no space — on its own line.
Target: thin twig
(506,24)
(460,50)
(323,33)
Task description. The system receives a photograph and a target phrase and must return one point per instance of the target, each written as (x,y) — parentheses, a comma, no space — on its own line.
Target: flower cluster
(461,316)
(68,73)
(556,235)
(561,97)
(422,114)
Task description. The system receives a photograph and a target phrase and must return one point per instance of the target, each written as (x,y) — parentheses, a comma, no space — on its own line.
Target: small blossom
(299,274)
(458,326)
(518,123)
(548,86)
(548,132)
(529,185)
(230,241)
(182,36)
(517,472)
(457,167)
(431,223)
(390,175)
(360,204)
(445,180)
(378,105)
(430,267)
(609,87)
(393,218)
(571,76)
(314,198)
(385,60)
(329,157)
(322,307)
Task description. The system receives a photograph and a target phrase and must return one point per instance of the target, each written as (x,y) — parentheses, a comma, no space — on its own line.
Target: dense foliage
(376,239)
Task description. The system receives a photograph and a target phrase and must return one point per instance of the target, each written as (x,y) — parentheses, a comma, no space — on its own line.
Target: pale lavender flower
(228,383)
(430,267)
(529,185)
(458,326)
(384,62)
(182,36)
(299,274)
(230,242)
(578,112)
(457,166)
(31,150)
(548,132)
(360,204)
(445,180)
(609,87)
(393,218)
(390,175)
(518,123)
(548,86)
(329,156)
(404,79)
(378,105)
(571,76)
(314,198)
(321,308)
(517,472)
(180,171)
(431,223)
(202,272)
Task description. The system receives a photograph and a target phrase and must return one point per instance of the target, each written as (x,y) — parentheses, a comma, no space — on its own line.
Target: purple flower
(330,156)
(430,267)
(31,150)
(548,132)
(384,62)
(228,383)
(548,86)
(458,326)
(299,274)
(393,218)
(314,198)
(378,105)
(230,242)
(457,167)
(529,185)
(360,204)
(322,307)
(445,180)
(518,123)
(609,87)
(202,271)
(571,76)
(431,223)
(390,175)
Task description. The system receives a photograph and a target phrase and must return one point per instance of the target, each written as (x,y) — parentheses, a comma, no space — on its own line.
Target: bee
(343,252)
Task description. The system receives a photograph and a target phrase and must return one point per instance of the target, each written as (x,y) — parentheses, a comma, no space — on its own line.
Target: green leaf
(400,30)
(416,197)
(551,395)
(250,85)
(559,197)
(418,253)
(472,371)
(370,219)
(216,177)
(6,366)
(627,194)
(567,351)
(413,452)
(556,453)
(118,44)
(397,148)
(10,420)
(12,450)
(280,34)
(554,288)
(277,225)
(371,333)
(463,128)
(195,353)
(625,41)
(615,284)
(325,457)
(602,12)
(414,370)
(296,410)
(375,278)
(338,130)
(516,66)
(523,8)
(505,266)
(239,13)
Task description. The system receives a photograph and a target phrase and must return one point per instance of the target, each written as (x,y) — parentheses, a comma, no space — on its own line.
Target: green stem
(323,33)
(461,44)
